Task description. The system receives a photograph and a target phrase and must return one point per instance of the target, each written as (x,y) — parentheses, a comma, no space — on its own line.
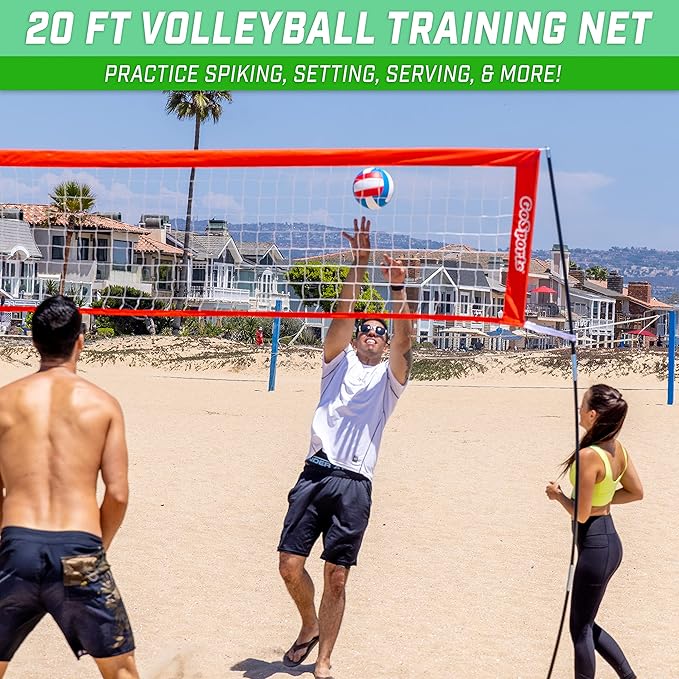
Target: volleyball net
(258,233)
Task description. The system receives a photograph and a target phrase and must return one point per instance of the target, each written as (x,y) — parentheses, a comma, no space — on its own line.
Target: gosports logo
(521,234)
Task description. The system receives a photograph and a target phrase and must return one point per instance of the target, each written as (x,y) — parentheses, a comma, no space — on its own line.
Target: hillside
(659,267)
(299,240)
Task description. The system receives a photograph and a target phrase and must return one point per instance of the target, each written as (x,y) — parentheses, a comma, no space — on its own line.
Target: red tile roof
(538,265)
(148,244)
(653,304)
(48,215)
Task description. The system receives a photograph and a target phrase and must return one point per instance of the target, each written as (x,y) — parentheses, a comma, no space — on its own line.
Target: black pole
(574,372)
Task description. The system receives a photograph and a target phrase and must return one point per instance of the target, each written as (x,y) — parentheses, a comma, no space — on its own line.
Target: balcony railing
(20,288)
(545,310)
(241,297)
(553,310)
(219,294)
(77,271)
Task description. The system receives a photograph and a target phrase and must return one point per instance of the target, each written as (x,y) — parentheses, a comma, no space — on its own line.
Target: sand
(464,565)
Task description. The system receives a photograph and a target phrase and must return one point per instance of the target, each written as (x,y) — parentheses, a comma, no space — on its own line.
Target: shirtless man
(57,432)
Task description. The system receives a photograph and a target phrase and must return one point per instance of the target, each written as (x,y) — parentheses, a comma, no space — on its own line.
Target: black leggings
(599,555)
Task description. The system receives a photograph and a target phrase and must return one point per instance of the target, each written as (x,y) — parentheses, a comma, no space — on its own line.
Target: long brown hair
(611,409)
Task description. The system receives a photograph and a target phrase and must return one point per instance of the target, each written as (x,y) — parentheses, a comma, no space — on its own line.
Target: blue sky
(615,152)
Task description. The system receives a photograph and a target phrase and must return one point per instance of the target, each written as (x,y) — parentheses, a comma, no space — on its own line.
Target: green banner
(443,44)
(357,73)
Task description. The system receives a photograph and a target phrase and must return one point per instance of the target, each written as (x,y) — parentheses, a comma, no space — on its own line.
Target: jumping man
(333,494)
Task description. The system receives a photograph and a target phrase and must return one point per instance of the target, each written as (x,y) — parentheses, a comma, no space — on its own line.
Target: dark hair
(56,326)
(611,409)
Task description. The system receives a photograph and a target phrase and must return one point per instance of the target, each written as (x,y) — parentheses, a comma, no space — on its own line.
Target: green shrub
(121,297)
(200,327)
(243,329)
(322,283)
(106,332)
(308,338)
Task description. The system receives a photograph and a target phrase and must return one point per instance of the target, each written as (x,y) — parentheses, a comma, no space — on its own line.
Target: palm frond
(70,196)
(201,104)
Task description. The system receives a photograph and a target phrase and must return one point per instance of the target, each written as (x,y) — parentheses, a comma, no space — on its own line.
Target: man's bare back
(56,432)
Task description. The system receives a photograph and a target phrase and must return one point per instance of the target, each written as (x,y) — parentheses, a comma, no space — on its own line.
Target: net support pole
(274,346)
(574,375)
(671,351)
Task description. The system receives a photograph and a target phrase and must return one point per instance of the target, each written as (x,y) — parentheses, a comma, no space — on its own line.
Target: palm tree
(201,106)
(598,273)
(71,199)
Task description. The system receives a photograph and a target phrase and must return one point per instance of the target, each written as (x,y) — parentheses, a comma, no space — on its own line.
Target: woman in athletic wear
(603,465)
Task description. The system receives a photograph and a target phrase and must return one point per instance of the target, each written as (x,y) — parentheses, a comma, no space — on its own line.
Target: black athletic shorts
(65,574)
(331,502)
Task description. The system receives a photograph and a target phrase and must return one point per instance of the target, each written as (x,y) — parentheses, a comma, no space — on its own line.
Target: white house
(455,280)
(592,305)
(102,253)
(19,256)
(225,274)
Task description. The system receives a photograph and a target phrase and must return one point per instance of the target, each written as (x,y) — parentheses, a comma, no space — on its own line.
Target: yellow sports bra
(605,489)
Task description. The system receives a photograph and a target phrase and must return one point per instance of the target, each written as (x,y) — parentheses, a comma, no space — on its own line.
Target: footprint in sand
(182,666)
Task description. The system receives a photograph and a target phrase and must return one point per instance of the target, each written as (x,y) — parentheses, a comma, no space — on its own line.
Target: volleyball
(373,188)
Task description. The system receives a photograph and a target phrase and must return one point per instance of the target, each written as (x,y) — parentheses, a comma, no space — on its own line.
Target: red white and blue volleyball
(373,188)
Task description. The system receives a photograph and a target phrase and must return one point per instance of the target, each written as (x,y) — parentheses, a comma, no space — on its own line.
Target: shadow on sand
(261,669)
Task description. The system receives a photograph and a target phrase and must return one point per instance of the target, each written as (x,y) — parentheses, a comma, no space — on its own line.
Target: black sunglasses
(380,330)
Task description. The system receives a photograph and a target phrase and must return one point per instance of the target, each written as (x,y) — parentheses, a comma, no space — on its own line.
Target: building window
(58,248)
(83,249)
(266,283)
(122,254)
(102,249)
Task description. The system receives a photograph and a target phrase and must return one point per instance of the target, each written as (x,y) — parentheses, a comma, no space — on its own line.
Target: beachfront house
(643,319)
(102,254)
(454,280)
(160,261)
(19,256)
(458,280)
(592,304)
(226,274)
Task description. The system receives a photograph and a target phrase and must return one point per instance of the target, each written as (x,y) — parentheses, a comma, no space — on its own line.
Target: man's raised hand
(360,241)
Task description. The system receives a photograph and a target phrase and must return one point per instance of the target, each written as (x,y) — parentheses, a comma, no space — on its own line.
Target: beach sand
(464,565)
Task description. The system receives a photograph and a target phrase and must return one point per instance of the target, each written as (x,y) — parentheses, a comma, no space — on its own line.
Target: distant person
(5,317)
(607,476)
(259,337)
(57,433)
(333,494)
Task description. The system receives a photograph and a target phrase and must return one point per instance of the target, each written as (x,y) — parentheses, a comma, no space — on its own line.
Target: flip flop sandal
(309,645)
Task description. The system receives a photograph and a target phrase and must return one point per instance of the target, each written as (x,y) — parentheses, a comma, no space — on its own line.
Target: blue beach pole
(274,346)
(671,350)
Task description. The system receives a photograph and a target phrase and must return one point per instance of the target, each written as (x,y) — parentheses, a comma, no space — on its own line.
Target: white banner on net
(552,332)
